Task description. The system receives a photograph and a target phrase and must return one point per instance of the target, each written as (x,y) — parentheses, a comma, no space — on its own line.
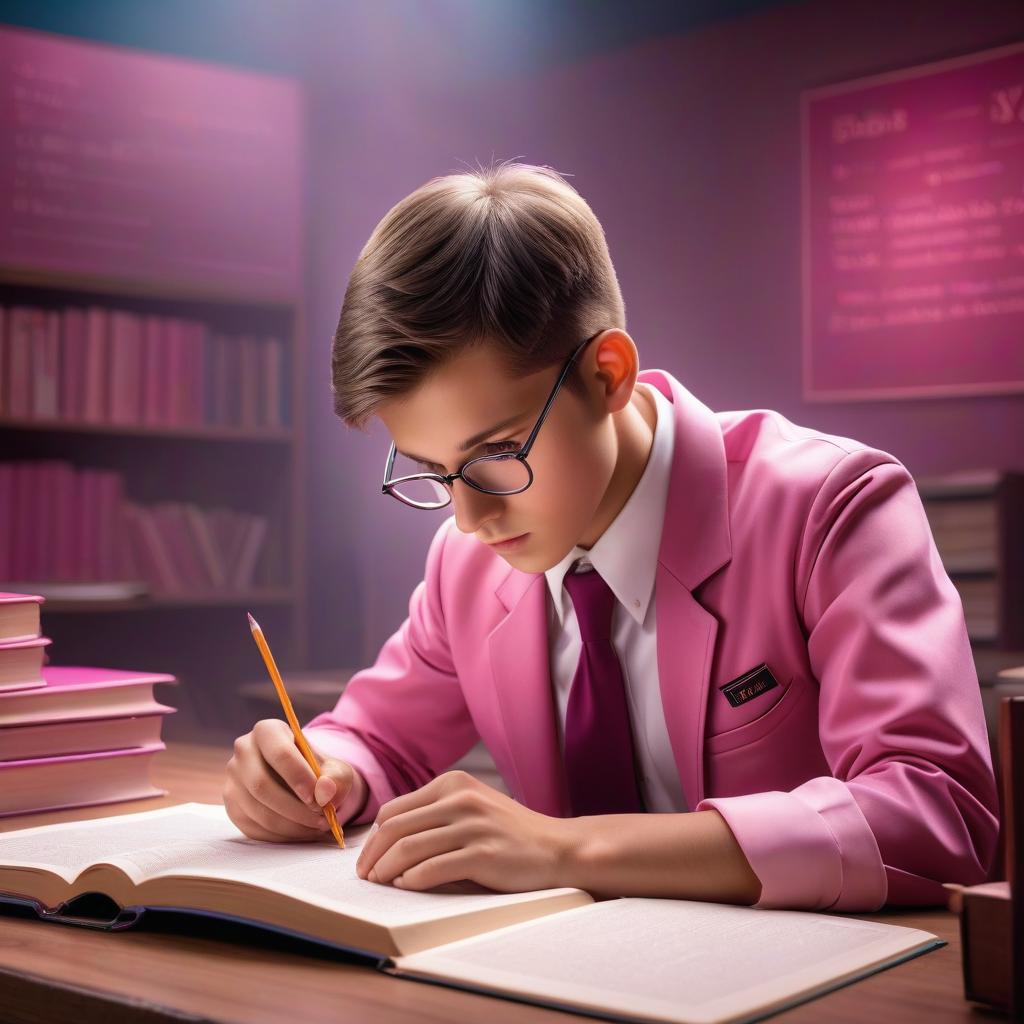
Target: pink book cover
(19,354)
(64,680)
(150,369)
(125,367)
(45,366)
(245,569)
(180,545)
(198,522)
(143,790)
(8,598)
(222,379)
(21,685)
(250,385)
(230,530)
(65,758)
(91,677)
(72,363)
(139,556)
(6,516)
(64,562)
(89,485)
(4,398)
(21,551)
(95,404)
(40,537)
(174,371)
(197,384)
(168,579)
(275,381)
(110,493)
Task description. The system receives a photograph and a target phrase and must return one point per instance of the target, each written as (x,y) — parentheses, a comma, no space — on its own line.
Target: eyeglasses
(502,473)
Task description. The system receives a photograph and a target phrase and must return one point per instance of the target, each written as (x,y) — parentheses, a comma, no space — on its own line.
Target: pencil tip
(253,624)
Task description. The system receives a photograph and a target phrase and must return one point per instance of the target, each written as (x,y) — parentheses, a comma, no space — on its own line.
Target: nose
(473,508)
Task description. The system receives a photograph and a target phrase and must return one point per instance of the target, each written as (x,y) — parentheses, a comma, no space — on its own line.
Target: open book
(631,959)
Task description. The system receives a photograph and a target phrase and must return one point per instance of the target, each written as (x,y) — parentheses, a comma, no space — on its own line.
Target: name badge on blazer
(749,685)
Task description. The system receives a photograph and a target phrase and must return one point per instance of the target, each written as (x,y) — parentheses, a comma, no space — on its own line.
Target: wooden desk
(205,970)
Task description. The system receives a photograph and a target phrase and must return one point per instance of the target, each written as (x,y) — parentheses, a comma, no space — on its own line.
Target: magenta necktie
(599,761)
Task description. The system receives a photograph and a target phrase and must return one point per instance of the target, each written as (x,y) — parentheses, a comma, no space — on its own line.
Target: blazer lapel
(695,543)
(519,662)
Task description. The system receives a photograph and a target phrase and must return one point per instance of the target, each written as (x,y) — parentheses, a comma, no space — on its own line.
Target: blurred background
(814,207)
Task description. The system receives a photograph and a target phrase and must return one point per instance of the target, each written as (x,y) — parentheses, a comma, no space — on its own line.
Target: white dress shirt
(626,556)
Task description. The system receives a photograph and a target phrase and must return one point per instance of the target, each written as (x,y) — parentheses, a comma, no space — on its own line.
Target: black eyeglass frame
(446,480)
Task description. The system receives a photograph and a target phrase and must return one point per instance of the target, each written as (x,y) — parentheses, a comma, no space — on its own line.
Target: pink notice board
(125,164)
(913,231)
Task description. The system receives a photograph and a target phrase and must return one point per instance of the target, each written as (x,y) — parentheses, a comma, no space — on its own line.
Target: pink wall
(688,149)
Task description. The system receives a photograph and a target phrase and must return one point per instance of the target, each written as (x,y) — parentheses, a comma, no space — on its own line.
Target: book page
(68,848)
(200,841)
(669,960)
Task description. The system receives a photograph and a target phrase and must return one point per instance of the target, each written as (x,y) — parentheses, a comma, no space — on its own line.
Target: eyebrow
(476,439)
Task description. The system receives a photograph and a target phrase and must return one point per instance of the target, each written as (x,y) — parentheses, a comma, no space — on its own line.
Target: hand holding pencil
(273,754)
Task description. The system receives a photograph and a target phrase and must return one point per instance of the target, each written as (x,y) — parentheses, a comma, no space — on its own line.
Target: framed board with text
(913,231)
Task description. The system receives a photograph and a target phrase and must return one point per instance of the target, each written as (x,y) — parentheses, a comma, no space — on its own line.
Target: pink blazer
(863,777)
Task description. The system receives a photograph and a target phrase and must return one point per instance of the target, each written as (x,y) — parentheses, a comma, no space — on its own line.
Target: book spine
(97,355)
(20,354)
(74,344)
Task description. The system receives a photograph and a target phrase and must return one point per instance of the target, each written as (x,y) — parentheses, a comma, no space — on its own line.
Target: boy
(639,605)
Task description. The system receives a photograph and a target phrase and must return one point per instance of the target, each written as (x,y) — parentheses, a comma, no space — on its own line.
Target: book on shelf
(94,364)
(975,519)
(634,959)
(76,525)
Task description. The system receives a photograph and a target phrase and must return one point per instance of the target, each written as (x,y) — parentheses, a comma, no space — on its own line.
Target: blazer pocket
(796,692)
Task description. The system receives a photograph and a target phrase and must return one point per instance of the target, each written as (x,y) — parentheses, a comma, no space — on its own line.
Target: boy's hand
(269,789)
(457,827)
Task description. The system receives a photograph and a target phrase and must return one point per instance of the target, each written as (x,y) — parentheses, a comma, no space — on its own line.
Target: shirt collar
(626,554)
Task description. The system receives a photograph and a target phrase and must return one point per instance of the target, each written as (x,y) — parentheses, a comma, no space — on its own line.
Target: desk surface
(201,970)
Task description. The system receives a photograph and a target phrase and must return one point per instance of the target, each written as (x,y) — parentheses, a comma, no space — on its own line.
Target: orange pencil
(304,747)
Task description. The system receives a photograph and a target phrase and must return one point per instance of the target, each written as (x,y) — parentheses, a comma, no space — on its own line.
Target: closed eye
(490,448)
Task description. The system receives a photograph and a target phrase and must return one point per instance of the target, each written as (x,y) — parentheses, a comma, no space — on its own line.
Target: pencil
(304,747)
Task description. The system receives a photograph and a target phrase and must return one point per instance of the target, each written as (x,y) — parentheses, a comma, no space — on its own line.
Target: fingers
(395,831)
(256,786)
(276,743)
(258,822)
(411,850)
(341,786)
(453,866)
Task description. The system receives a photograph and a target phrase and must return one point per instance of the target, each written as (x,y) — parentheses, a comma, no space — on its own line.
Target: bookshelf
(200,636)
(977,519)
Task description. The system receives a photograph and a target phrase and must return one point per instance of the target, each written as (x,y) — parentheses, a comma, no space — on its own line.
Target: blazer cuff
(811,848)
(344,746)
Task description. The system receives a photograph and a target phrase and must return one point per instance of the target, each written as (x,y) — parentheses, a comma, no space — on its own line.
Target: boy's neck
(634,426)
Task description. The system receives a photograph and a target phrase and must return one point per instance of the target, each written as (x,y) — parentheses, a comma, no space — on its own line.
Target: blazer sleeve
(911,802)
(404,720)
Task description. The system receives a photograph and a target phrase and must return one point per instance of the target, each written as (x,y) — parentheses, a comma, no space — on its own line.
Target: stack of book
(99,365)
(70,736)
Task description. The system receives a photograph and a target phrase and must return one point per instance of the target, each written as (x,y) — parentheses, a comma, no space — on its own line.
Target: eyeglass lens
(501,476)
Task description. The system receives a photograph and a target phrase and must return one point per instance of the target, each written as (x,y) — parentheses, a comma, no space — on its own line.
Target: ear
(616,363)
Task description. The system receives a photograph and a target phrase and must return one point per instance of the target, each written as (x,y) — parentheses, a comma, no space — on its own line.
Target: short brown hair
(509,255)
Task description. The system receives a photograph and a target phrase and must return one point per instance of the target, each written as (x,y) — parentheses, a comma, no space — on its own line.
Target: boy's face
(573,458)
